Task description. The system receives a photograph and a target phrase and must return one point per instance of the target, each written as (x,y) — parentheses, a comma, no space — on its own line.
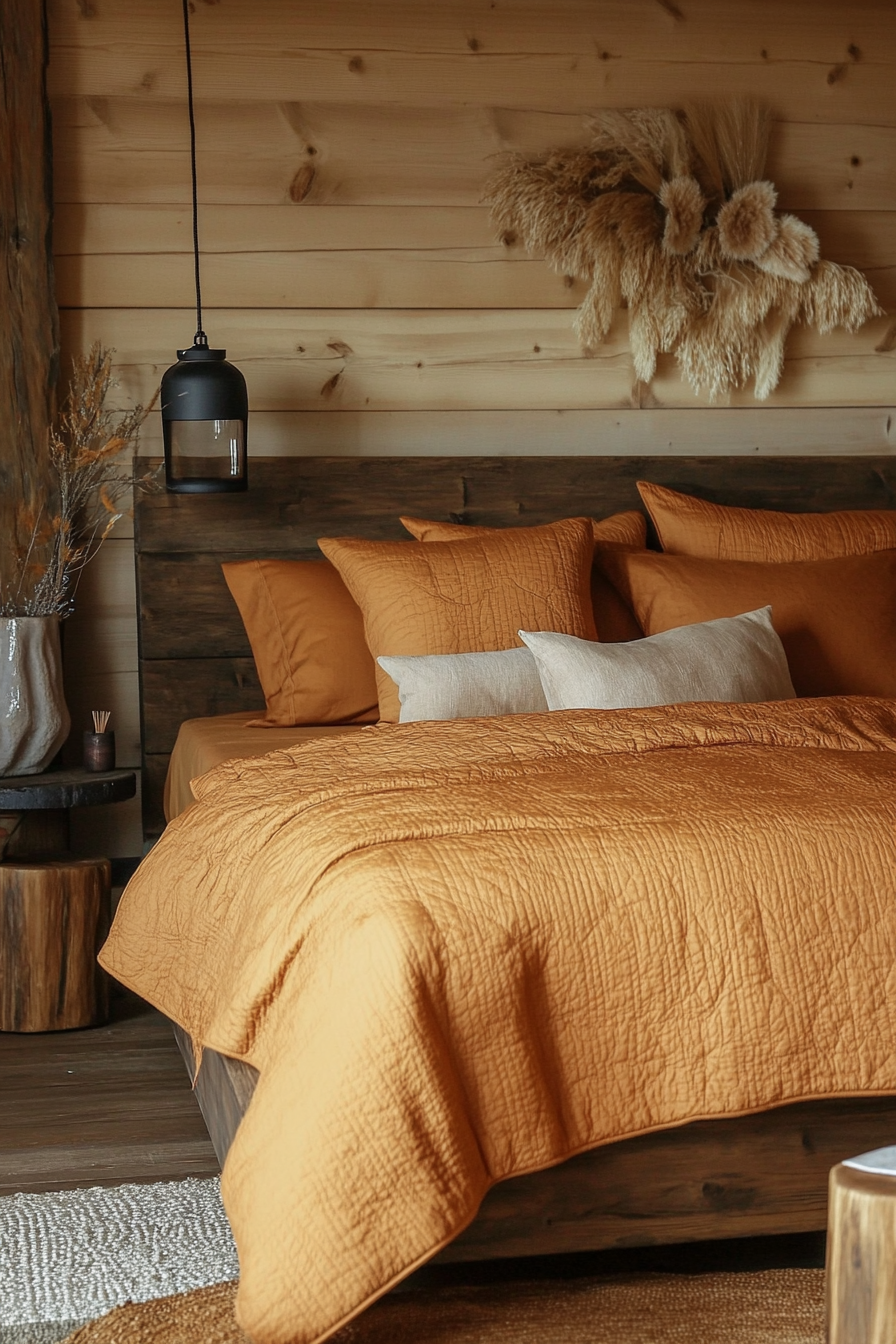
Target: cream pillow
(736,658)
(466,685)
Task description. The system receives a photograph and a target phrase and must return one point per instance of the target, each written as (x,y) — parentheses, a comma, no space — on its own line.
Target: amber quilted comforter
(464,950)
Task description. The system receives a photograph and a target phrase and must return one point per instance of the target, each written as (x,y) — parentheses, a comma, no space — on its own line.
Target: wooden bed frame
(754,1175)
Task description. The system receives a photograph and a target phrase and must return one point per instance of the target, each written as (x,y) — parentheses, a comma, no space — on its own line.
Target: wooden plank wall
(348,265)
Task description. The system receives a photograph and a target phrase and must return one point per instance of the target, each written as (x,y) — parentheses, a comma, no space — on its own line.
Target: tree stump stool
(861,1254)
(54,917)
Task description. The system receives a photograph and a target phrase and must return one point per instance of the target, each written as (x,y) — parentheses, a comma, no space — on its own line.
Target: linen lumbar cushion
(466,685)
(466,596)
(738,658)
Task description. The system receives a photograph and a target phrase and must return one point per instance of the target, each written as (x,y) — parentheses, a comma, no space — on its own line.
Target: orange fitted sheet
(460,951)
(204,743)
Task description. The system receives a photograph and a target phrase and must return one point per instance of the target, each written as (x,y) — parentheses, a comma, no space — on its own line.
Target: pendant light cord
(200,338)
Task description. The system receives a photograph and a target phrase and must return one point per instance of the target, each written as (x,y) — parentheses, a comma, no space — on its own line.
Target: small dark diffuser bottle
(99,746)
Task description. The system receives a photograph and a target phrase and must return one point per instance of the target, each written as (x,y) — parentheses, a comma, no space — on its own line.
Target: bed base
(751,1176)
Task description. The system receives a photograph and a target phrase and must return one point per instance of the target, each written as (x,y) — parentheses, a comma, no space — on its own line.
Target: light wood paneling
(570,82)
(120,149)
(107,229)
(709,431)
(701,32)
(458,278)
(451,359)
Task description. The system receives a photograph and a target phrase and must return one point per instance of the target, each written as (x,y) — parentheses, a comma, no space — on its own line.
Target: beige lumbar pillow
(736,658)
(466,685)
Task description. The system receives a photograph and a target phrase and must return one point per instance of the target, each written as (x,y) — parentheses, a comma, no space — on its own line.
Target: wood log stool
(54,909)
(54,917)
(861,1251)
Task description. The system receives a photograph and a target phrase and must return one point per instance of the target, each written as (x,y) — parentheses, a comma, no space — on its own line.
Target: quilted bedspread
(461,951)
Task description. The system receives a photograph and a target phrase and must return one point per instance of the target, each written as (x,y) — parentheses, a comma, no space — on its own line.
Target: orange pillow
(307,638)
(620,529)
(688,526)
(614,621)
(466,597)
(836,618)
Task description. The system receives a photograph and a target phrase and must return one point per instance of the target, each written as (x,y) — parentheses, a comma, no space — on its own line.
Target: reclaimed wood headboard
(194,656)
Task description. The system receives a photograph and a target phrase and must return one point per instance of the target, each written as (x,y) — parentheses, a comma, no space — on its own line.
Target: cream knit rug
(70,1257)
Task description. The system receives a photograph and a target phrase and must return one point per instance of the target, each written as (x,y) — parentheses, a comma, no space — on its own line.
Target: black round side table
(54,909)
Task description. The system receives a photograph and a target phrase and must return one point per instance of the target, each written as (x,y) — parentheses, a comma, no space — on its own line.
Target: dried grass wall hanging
(670,214)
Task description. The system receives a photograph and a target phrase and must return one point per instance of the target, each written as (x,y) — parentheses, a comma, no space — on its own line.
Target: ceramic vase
(34,720)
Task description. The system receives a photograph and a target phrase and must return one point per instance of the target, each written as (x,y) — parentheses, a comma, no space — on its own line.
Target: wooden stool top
(879,1162)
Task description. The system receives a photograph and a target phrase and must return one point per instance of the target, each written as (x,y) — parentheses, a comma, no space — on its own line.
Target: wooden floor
(99,1107)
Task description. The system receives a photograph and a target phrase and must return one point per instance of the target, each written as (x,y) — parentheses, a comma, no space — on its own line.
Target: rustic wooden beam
(29,322)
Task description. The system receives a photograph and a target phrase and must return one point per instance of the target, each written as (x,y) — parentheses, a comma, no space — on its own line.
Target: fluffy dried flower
(746,223)
(684,204)
(627,216)
(793,252)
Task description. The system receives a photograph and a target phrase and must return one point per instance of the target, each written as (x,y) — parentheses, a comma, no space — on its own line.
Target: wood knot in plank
(836,73)
(671,8)
(301,184)
(340,348)
(474,44)
(331,385)
(356,65)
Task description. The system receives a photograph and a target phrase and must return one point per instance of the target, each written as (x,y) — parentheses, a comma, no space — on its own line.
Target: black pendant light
(205,405)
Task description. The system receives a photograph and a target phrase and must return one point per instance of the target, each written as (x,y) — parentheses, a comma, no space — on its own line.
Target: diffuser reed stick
(101,719)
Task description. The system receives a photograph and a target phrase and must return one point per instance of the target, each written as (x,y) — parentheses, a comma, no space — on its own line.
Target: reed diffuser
(99,746)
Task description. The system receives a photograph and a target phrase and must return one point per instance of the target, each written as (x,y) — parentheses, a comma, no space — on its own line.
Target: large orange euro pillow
(626,531)
(469,596)
(689,526)
(307,639)
(836,618)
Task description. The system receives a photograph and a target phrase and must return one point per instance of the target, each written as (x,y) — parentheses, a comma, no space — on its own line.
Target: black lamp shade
(205,412)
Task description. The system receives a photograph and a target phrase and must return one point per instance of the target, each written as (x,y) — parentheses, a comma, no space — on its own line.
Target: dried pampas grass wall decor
(670,214)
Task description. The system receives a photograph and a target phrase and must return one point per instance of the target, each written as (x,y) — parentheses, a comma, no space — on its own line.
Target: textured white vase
(34,720)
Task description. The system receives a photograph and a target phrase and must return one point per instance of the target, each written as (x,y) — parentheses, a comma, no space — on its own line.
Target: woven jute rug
(779,1306)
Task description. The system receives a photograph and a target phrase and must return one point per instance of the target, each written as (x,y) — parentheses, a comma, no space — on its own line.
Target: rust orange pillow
(307,639)
(469,596)
(689,526)
(628,531)
(620,529)
(836,618)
